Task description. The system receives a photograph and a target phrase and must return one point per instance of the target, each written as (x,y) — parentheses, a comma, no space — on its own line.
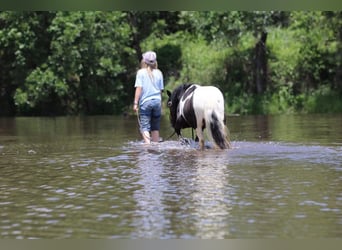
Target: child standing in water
(149,84)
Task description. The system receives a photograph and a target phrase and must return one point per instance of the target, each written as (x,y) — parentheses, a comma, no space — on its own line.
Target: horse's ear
(168,93)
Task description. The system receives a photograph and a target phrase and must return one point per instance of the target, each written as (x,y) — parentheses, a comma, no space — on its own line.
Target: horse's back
(208,97)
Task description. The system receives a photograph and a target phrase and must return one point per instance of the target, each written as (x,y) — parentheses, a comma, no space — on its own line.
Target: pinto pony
(199,107)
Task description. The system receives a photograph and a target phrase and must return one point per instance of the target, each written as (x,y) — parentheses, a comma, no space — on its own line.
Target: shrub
(322,100)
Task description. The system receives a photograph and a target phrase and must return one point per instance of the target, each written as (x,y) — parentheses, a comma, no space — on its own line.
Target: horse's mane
(178,92)
(175,99)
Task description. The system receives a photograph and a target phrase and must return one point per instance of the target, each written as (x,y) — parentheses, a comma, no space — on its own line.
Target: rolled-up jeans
(150,114)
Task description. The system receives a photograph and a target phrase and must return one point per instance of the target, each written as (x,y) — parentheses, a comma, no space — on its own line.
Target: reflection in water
(150,220)
(174,184)
(88,178)
(211,198)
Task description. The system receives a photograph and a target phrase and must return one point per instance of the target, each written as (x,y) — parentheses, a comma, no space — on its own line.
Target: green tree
(228,28)
(85,62)
(155,27)
(82,72)
(23,46)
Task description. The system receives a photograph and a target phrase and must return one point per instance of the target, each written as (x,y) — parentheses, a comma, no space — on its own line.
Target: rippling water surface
(91,177)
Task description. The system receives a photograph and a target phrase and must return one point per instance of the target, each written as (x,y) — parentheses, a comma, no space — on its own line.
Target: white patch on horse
(182,102)
(205,107)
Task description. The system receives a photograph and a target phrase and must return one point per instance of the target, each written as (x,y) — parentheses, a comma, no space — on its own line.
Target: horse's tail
(218,131)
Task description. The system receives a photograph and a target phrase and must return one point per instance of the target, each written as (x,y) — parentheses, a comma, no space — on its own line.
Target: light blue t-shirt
(151,87)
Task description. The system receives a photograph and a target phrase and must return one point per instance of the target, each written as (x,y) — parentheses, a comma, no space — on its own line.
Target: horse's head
(173,101)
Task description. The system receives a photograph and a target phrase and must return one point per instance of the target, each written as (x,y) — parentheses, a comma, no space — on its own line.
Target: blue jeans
(150,114)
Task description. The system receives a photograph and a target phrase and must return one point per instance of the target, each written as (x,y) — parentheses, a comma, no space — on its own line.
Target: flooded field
(91,177)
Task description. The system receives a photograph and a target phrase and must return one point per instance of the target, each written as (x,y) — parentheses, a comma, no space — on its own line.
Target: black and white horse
(199,107)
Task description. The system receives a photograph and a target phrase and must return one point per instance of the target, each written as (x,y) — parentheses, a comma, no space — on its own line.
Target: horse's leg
(200,136)
(182,139)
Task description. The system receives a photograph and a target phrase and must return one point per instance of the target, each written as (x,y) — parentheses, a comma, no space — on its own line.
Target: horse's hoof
(185,141)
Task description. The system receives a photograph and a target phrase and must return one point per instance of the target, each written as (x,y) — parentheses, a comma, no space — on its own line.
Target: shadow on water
(91,178)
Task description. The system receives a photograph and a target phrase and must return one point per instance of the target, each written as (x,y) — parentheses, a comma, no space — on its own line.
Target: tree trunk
(260,65)
(135,41)
(338,76)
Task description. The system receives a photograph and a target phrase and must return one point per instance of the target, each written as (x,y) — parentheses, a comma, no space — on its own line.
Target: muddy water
(90,177)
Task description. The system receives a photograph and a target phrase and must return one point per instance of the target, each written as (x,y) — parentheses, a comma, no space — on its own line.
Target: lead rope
(174,132)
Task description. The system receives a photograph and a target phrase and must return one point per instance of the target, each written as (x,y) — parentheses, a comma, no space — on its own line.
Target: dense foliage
(61,63)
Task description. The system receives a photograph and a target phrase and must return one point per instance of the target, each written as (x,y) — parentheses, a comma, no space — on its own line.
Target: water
(91,177)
